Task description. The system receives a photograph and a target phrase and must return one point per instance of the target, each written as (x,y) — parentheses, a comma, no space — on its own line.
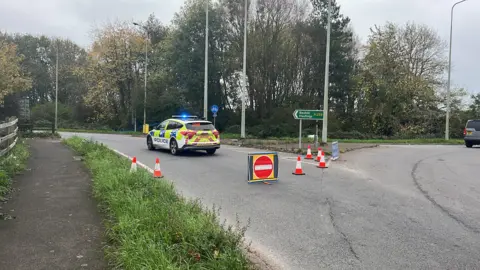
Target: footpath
(54,221)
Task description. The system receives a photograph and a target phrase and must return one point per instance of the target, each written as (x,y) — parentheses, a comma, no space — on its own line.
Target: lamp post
(327,64)
(447,120)
(56,90)
(244,90)
(205,92)
(146,67)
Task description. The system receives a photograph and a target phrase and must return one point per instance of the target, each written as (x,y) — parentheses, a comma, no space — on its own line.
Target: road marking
(138,162)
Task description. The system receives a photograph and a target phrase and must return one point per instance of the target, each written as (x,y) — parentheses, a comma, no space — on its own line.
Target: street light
(325,89)
(244,90)
(447,120)
(56,90)
(146,66)
(205,93)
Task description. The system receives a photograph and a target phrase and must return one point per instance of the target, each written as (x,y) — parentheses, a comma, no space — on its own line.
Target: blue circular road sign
(214,109)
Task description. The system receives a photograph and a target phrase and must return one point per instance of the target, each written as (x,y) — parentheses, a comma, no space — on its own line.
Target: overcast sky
(75,18)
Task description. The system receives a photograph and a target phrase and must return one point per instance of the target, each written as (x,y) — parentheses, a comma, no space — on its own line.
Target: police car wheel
(211,151)
(150,143)
(173,147)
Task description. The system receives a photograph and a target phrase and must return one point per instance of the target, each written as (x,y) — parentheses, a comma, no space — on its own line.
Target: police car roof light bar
(185,116)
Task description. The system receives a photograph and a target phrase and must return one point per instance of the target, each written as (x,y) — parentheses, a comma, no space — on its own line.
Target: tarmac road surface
(390,207)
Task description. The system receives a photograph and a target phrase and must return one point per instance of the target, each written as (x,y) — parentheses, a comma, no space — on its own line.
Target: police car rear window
(474,124)
(200,126)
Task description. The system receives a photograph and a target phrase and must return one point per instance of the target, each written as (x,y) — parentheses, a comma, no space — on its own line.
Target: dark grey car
(471,133)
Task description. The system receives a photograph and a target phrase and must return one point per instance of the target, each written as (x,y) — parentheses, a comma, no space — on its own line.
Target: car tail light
(464,131)
(216,133)
(188,133)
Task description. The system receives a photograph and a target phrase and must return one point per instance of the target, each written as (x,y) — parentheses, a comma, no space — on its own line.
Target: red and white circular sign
(263,167)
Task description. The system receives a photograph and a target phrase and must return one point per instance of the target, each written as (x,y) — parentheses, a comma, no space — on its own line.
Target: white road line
(150,170)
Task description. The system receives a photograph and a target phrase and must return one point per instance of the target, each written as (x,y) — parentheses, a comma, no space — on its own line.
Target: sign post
(262,167)
(316,115)
(214,110)
(335,151)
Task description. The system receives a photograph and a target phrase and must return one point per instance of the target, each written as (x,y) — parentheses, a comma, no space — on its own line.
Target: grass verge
(44,134)
(369,141)
(406,141)
(149,226)
(11,164)
(100,131)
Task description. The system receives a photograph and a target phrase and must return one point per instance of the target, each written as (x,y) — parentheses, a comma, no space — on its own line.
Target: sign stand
(214,110)
(300,136)
(262,167)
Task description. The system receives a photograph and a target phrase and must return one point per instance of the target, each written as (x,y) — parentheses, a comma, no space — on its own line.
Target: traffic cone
(298,168)
(309,153)
(320,151)
(157,173)
(322,164)
(133,167)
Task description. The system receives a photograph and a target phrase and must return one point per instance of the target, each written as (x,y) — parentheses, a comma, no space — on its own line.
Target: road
(390,207)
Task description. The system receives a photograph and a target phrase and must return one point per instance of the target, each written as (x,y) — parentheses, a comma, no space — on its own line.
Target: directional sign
(308,114)
(214,109)
(262,167)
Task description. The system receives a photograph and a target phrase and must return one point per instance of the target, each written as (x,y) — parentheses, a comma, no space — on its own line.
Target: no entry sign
(262,167)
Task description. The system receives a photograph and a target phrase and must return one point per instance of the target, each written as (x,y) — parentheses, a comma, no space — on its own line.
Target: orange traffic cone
(298,168)
(157,173)
(320,151)
(133,167)
(309,153)
(322,164)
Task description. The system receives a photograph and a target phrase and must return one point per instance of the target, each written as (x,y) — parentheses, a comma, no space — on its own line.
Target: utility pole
(327,64)
(244,88)
(56,91)
(205,93)
(146,69)
(447,120)
(145,94)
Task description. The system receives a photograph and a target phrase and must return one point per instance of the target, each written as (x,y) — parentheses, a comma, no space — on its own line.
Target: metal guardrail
(8,135)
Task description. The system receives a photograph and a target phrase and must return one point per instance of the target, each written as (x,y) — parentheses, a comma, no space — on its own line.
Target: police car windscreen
(200,126)
(474,124)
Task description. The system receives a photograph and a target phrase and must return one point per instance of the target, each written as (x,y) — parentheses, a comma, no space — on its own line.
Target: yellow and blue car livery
(184,133)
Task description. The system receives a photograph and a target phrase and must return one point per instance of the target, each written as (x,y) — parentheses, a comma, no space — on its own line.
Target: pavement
(388,207)
(54,221)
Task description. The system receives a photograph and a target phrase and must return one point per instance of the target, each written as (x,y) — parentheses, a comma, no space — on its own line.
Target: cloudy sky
(75,18)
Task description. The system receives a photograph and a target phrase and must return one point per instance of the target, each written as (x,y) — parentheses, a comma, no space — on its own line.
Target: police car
(184,132)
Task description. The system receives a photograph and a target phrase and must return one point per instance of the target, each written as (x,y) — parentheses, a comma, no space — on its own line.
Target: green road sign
(308,114)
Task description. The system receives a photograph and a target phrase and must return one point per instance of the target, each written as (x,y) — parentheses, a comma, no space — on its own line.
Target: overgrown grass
(11,164)
(149,226)
(43,134)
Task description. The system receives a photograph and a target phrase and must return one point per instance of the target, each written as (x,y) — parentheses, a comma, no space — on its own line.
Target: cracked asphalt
(390,207)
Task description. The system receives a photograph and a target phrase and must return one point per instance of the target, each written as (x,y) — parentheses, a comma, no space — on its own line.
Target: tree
(12,78)
(113,73)
(401,76)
